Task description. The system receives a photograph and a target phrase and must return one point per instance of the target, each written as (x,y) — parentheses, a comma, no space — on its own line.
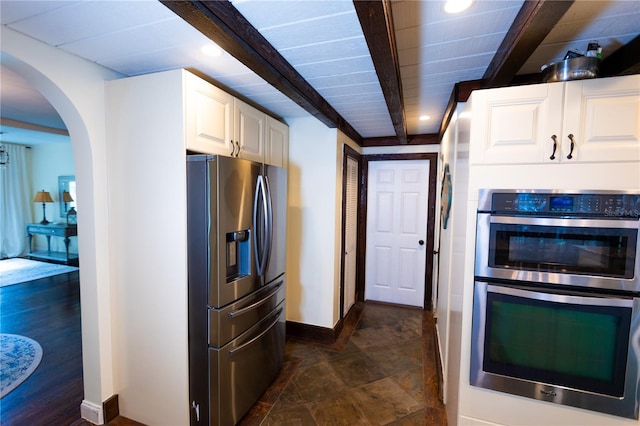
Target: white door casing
(350,237)
(397,231)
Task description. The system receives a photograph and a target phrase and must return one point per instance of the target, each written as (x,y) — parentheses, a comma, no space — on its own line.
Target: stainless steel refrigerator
(236,222)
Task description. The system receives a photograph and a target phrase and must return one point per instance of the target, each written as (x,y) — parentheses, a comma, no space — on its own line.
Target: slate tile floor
(381,371)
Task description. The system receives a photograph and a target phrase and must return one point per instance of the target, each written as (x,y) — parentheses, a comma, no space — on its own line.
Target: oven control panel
(599,204)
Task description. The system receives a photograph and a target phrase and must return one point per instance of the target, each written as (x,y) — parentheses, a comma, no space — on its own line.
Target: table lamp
(66,198)
(43,197)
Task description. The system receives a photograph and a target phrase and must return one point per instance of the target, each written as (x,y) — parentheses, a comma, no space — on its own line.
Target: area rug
(17,270)
(19,357)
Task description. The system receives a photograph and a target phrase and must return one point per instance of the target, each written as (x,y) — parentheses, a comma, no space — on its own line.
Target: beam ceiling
(225,25)
(377,25)
(533,23)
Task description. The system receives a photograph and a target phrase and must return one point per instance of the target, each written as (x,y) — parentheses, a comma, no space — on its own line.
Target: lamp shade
(43,197)
(66,197)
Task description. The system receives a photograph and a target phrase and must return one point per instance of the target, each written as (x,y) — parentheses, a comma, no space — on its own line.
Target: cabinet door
(603,115)
(208,117)
(516,125)
(249,129)
(277,143)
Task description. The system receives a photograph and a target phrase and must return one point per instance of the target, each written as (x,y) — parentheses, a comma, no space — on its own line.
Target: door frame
(362,219)
(352,153)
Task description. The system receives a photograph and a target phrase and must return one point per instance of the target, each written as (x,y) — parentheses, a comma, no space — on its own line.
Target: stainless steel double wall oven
(556,313)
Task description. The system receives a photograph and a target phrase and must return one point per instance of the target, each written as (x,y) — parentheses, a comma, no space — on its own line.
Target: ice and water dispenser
(238,254)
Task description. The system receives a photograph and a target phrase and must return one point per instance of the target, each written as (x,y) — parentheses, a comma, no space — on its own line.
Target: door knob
(421,242)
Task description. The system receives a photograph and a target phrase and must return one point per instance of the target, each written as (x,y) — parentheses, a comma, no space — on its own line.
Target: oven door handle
(550,296)
(563,222)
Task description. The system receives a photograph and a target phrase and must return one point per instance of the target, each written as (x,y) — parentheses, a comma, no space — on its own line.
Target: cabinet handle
(233,149)
(570,156)
(238,145)
(555,145)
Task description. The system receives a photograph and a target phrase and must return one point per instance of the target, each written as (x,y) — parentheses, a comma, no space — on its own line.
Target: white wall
(453,260)
(75,87)
(147,189)
(312,270)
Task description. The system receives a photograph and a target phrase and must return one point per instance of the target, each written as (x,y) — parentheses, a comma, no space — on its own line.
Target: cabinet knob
(570,156)
(421,242)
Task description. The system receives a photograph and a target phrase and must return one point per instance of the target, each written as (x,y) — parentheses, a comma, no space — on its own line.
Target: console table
(53,230)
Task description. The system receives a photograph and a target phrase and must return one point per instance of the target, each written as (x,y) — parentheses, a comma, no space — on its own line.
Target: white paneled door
(397,231)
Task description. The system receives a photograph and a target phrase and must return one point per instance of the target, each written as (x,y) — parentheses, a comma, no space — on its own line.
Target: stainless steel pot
(572,69)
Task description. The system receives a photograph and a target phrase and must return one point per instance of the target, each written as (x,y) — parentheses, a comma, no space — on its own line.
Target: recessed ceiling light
(456,6)
(211,50)
(424,117)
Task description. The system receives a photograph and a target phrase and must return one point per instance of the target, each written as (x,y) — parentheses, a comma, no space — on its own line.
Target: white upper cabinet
(515,124)
(218,123)
(276,150)
(603,115)
(209,117)
(578,121)
(249,130)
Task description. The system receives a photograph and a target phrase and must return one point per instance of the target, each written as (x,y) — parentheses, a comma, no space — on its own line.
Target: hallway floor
(381,371)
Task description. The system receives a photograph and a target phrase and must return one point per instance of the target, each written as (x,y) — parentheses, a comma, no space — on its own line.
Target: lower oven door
(573,349)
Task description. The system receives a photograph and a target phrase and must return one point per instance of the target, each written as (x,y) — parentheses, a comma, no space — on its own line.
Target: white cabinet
(276,150)
(208,115)
(259,137)
(578,121)
(604,117)
(249,130)
(218,123)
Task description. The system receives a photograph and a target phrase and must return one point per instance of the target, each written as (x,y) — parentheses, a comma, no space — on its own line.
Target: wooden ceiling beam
(532,24)
(221,22)
(377,25)
(425,139)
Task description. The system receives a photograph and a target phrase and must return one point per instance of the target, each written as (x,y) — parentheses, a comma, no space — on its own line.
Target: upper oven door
(596,253)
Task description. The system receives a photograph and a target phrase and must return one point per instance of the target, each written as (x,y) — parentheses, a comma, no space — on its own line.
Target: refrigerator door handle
(262,301)
(276,319)
(268,224)
(260,201)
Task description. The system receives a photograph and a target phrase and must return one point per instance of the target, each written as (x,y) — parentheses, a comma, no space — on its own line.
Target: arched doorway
(44,309)
(76,89)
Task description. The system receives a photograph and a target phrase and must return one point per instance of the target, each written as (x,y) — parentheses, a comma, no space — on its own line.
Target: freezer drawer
(242,370)
(231,321)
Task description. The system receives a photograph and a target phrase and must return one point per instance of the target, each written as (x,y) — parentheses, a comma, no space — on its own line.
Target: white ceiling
(321,39)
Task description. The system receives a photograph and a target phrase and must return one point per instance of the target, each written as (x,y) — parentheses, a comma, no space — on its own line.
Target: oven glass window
(601,251)
(577,346)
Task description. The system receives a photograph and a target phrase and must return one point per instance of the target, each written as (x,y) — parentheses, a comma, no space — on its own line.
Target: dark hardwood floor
(48,311)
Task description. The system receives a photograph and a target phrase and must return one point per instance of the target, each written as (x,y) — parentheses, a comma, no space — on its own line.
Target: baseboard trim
(99,415)
(315,333)
(111,408)
(92,412)
(324,335)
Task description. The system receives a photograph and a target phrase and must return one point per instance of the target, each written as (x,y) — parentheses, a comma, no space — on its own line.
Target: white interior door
(350,237)
(397,231)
